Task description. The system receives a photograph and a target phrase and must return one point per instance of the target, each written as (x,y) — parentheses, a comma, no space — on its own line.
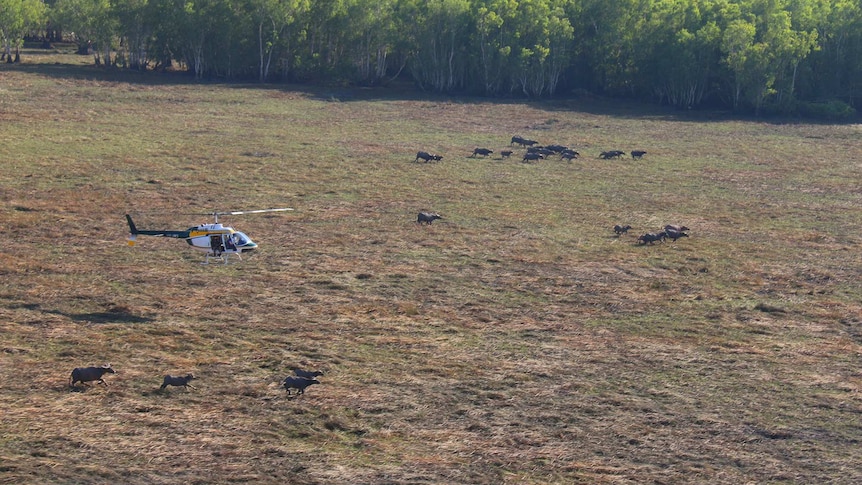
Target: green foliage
(16,18)
(746,54)
(94,23)
(833,110)
(275,23)
(441,35)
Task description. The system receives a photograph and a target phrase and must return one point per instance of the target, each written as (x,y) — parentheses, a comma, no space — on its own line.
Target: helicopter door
(230,242)
(216,244)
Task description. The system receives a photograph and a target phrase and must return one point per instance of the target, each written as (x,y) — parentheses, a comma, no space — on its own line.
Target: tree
(93,23)
(377,40)
(527,43)
(608,38)
(834,70)
(551,37)
(327,37)
(784,47)
(203,38)
(678,53)
(790,47)
(757,54)
(493,42)
(738,47)
(439,40)
(764,52)
(17,17)
(272,19)
(136,30)
(682,66)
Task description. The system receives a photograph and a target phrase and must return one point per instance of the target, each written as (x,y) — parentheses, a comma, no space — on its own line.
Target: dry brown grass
(517,341)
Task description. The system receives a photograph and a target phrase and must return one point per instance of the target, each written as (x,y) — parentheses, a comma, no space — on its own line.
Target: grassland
(516,341)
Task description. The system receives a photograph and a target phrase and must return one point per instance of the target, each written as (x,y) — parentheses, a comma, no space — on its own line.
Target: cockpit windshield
(239,239)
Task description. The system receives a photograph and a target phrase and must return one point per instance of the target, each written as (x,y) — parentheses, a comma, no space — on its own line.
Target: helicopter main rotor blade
(236,213)
(258,211)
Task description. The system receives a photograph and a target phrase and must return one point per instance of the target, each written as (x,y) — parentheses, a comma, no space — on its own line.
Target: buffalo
(651,237)
(307,373)
(676,227)
(674,235)
(298,383)
(569,154)
(427,217)
(177,381)
(89,374)
(618,229)
(611,154)
(522,141)
(428,157)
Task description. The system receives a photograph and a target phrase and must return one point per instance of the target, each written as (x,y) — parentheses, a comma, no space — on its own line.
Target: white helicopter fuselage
(217,239)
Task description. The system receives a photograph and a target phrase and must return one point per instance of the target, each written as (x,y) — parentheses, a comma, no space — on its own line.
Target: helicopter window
(240,239)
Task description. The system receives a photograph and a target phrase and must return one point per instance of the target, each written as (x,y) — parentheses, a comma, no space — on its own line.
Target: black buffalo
(428,157)
(427,217)
(89,374)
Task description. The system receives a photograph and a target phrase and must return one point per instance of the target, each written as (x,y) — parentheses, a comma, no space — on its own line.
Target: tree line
(783,56)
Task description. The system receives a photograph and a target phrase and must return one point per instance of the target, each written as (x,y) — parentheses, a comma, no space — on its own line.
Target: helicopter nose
(249,247)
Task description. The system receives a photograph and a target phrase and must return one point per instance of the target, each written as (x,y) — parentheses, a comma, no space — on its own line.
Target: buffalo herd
(533,152)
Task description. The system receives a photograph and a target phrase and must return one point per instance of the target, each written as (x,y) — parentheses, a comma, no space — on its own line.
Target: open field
(516,341)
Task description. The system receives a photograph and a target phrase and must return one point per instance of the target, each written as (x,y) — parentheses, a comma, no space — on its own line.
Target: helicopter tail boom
(134,232)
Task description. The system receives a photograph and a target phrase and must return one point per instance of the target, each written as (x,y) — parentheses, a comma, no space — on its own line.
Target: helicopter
(216,240)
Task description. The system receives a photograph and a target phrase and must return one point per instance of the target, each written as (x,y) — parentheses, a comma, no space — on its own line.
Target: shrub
(832,110)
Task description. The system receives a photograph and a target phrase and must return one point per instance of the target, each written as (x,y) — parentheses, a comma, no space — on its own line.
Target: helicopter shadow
(115,314)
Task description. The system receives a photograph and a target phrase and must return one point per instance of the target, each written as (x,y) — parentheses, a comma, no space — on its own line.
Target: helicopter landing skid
(224,257)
